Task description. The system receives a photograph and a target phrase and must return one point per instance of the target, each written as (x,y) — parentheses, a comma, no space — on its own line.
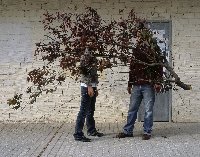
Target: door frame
(170,63)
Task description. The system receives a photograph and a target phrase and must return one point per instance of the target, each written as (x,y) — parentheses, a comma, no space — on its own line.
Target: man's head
(87,52)
(89,57)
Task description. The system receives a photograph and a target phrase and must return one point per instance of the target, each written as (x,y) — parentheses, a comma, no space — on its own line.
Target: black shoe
(146,137)
(95,133)
(123,135)
(82,139)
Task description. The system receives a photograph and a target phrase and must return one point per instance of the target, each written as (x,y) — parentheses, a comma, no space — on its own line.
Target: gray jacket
(88,68)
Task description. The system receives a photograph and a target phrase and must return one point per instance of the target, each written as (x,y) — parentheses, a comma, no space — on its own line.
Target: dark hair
(141,25)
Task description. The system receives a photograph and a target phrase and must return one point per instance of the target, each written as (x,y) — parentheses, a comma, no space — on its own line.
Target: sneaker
(95,133)
(82,139)
(123,135)
(146,137)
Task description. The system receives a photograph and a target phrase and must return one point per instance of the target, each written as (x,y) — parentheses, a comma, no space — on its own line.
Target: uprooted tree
(70,35)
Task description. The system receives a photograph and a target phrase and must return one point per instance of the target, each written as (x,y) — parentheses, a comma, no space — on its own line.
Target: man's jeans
(139,92)
(87,109)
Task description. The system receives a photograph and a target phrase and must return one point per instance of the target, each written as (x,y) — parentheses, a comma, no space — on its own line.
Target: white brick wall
(20,29)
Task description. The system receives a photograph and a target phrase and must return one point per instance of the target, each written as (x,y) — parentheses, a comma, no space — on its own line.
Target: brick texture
(20,29)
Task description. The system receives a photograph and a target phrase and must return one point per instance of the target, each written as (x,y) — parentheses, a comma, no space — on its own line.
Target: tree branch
(172,72)
(166,65)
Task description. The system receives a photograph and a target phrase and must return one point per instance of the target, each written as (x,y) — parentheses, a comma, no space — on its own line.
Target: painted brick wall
(20,29)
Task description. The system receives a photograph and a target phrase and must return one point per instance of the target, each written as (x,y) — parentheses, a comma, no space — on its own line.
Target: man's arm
(159,78)
(85,70)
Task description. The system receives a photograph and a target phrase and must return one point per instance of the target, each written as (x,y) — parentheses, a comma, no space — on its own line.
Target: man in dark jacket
(89,92)
(144,80)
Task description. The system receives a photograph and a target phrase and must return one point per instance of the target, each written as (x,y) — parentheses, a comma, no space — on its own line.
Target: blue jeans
(87,109)
(139,92)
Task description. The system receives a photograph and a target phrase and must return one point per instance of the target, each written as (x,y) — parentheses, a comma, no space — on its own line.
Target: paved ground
(56,140)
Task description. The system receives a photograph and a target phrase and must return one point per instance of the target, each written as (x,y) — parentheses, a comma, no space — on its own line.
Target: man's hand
(90,91)
(129,89)
(157,87)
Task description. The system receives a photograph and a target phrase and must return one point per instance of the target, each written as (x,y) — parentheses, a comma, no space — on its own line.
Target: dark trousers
(87,109)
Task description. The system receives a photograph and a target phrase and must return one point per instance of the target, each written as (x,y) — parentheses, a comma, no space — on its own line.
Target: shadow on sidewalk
(172,129)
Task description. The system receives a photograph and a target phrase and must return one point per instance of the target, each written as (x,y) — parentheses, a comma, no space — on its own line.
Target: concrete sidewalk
(56,140)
